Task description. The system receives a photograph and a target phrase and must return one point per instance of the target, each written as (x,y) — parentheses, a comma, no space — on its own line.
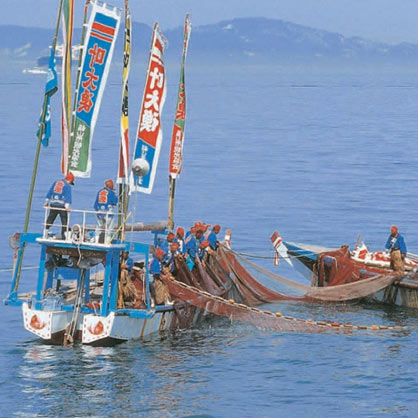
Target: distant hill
(248,40)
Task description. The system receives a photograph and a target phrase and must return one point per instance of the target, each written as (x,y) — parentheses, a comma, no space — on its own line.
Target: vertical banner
(176,151)
(51,87)
(150,136)
(124,120)
(97,55)
(67,35)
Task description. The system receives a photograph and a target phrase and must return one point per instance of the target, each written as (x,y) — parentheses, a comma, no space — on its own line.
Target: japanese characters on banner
(97,55)
(149,136)
(124,121)
(176,151)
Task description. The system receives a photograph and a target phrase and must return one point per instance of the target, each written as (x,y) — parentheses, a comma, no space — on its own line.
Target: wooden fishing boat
(334,267)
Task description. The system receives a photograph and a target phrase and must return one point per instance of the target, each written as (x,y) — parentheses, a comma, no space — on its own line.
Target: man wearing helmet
(104,204)
(395,244)
(58,199)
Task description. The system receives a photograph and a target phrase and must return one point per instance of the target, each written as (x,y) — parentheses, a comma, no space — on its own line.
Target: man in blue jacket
(58,199)
(104,204)
(397,248)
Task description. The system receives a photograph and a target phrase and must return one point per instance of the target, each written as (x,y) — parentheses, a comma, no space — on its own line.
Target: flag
(150,134)
(177,139)
(50,89)
(97,55)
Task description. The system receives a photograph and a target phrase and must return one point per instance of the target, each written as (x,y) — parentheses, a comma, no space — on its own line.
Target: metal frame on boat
(70,304)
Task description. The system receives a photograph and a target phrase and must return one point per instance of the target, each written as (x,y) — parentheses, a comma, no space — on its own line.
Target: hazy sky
(390,21)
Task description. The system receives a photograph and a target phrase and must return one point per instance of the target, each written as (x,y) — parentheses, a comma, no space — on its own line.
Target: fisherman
(192,246)
(191,231)
(169,259)
(137,278)
(397,248)
(180,239)
(158,289)
(126,263)
(106,200)
(127,288)
(58,199)
(211,236)
(203,249)
(165,245)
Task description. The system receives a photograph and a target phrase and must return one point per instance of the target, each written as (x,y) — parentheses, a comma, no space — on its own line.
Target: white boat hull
(92,328)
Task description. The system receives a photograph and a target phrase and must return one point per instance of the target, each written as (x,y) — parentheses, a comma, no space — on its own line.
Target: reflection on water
(207,370)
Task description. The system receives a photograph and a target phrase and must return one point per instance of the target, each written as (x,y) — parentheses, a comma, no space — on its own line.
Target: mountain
(247,40)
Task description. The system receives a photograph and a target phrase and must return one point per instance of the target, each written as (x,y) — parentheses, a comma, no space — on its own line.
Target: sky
(391,21)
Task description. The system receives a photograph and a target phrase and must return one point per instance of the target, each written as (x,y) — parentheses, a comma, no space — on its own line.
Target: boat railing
(82,227)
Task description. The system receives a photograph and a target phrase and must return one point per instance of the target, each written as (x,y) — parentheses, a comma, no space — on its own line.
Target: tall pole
(177,138)
(172,192)
(36,160)
(123,198)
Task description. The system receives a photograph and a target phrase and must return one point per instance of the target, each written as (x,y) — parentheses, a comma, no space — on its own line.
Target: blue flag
(50,88)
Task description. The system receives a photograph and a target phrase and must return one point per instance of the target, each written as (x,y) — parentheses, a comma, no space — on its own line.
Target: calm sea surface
(319,157)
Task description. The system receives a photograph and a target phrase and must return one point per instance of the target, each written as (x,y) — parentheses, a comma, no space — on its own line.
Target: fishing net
(337,288)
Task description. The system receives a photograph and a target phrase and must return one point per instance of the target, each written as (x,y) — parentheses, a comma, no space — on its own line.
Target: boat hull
(94,329)
(403,293)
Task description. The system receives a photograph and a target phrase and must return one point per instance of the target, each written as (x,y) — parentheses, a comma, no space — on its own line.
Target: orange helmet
(216,228)
(204,244)
(109,184)
(180,232)
(70,177)
(159,253)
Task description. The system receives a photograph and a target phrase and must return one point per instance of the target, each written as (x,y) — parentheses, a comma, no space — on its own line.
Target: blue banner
(50,88)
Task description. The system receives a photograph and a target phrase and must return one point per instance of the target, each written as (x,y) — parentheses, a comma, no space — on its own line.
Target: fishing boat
(34,70)
(81,293)
(347,271)
(77,294)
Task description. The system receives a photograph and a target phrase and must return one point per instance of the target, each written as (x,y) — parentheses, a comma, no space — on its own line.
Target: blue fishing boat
(78,293)
(77,296)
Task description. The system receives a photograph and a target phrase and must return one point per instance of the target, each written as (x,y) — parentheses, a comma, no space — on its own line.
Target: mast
(177,139)
(41,132)
(67,35)
(122,178)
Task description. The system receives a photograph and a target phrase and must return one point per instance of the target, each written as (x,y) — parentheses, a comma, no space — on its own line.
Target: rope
(133,221)
(265,257)
(23,268)
(309,323)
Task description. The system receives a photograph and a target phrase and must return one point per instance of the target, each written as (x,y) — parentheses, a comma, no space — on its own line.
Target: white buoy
(140,167)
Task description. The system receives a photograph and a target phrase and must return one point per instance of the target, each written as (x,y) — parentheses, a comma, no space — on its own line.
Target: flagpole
(177,138)
(36,160)
(172,192)
(123,198)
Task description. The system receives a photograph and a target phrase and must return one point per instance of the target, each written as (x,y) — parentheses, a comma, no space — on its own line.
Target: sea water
(319,157)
